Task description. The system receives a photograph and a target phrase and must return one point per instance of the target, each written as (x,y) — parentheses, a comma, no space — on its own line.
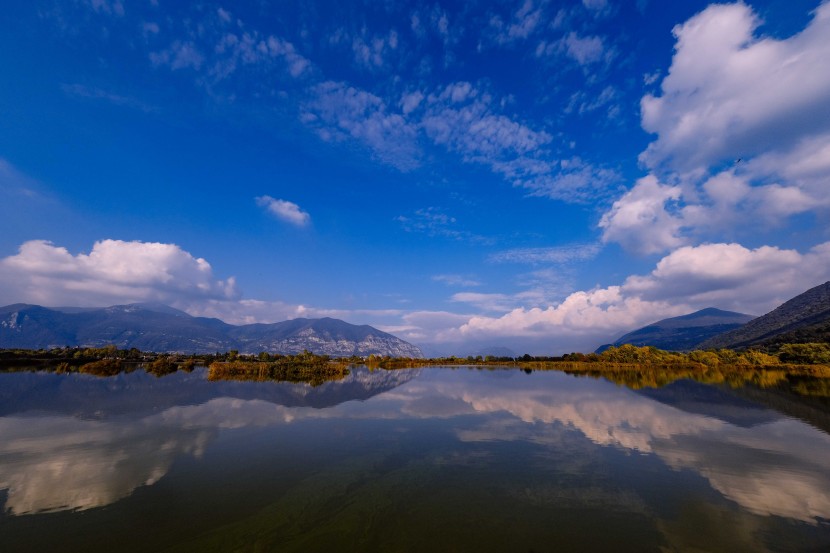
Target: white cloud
(284,210)
(728,199)
(741,128)
(654,217)
(639,220)
(731,94)
(114,272)
(732,276)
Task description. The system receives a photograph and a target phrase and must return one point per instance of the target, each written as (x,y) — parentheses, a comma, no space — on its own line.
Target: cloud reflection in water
(51,463)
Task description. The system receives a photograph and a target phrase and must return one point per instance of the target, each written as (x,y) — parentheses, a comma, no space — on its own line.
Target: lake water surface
(409,460)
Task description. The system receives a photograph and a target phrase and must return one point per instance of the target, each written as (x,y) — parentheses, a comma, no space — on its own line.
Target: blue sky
(537,175)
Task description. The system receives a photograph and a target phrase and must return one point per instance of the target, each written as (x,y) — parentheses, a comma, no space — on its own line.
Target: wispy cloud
(434,222)
(284,210)
(597,7)
(572,180)
(339,111)
(94,93)
(466,120)
(461,117)
(456,280)
(582,102)
(250,49)
(584,50)
(373,52)
(223,46)
(523,22)
(486,302)
(108,7)
(180,55)
(559,254)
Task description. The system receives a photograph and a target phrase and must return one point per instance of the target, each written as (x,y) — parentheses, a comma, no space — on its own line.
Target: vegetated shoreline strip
(808,360)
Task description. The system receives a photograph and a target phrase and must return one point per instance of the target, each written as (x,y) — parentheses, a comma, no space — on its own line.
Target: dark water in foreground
(409,460)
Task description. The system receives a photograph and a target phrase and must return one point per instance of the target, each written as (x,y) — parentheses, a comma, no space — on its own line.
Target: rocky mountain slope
(151,327)
(683,333)
(805,318)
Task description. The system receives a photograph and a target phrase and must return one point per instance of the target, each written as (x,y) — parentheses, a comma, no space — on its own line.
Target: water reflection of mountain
(745,406)
(711,401)
(138,393)
(75,442)
(50,460)
(812,410)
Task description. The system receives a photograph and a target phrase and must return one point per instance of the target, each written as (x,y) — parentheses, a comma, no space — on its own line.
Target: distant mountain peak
(712,312)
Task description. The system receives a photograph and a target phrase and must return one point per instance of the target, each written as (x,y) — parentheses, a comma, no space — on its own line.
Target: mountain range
(683,333)
(805,318)
(160,328)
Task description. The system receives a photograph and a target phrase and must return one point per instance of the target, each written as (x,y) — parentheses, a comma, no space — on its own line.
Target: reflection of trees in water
(314,370)
(637,377)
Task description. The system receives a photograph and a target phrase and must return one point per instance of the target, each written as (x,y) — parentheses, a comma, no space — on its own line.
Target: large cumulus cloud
(114,271)
(742,134)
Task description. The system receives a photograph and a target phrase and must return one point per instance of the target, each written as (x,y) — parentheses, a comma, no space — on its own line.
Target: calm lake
(410,460)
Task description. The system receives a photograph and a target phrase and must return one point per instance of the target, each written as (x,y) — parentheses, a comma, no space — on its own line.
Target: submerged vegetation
(804,367)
